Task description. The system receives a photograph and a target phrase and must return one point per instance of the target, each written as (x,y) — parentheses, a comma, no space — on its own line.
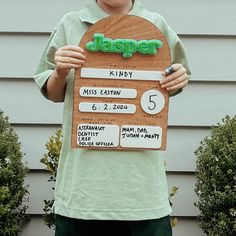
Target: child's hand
(175,81)
(68,57)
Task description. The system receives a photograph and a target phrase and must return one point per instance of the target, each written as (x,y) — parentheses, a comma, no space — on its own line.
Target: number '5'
(152,101)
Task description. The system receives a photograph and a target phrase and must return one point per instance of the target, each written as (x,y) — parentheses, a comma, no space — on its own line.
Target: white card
(140,136)
(92,135)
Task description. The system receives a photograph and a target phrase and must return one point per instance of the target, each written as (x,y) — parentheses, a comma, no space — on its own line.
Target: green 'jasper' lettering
(118,46)
(125,46)
(96,45)
(131,47)
(154,45)
(107,45)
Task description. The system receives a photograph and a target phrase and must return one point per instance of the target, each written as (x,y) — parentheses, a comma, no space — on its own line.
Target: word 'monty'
(125,46)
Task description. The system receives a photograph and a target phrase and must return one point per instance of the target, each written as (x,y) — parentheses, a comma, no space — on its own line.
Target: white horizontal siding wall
(211,17)
(208,31)
(207,55)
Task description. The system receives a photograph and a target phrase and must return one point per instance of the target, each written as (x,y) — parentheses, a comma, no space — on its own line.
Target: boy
(106,192)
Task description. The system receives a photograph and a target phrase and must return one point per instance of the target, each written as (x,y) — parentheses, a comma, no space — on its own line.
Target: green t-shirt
(98,184)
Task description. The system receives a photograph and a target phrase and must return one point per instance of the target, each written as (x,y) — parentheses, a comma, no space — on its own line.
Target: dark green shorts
(75,227)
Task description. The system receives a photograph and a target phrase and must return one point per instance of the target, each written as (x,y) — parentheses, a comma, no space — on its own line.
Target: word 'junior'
(125,46)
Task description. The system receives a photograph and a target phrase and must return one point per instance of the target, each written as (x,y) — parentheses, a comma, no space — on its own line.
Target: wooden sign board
(118,102)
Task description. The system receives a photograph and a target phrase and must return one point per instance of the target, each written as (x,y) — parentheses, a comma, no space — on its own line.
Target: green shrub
(173,192)
(216,180)
(12,189)
(50,159)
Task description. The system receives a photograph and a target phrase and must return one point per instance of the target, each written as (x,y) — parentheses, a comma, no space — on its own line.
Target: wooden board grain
(122,27)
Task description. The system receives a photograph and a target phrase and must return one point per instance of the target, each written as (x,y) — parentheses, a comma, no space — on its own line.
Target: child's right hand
(68,57)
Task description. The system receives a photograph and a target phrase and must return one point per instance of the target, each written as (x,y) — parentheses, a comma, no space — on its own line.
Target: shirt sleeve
(178,55)
(46,64)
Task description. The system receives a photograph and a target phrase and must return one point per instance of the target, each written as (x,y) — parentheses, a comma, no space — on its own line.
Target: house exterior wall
(208,31)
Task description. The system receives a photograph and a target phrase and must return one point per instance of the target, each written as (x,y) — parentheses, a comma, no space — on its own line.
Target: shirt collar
(93,13)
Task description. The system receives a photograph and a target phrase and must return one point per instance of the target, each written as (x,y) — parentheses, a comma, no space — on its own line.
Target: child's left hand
(175,81)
